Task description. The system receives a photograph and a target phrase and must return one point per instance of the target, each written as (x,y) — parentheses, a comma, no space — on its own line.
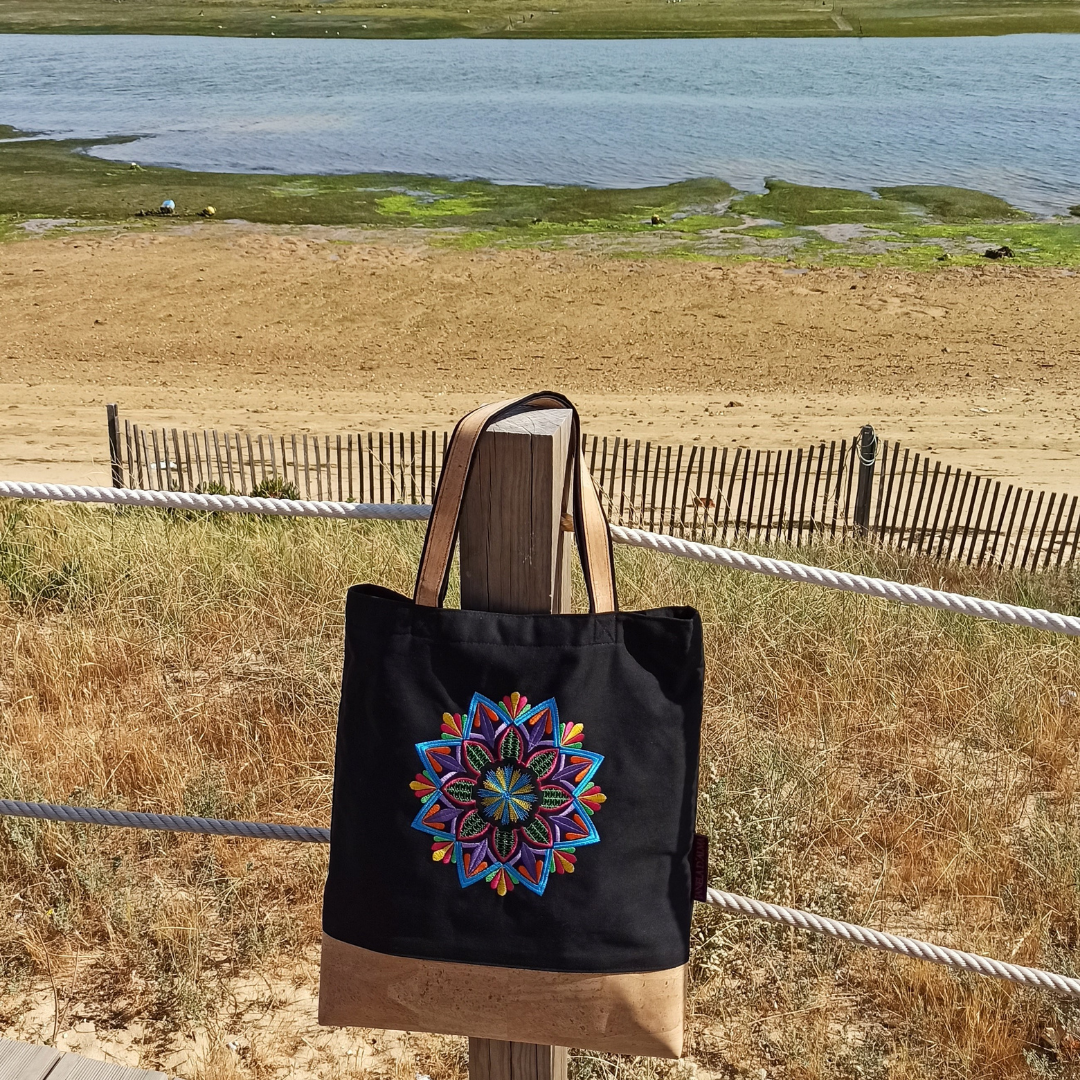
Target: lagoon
(998,114)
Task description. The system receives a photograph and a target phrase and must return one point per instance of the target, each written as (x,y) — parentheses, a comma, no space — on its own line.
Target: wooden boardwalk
(25,1061)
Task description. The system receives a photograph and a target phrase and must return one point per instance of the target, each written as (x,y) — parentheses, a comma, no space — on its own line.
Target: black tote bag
(515,793)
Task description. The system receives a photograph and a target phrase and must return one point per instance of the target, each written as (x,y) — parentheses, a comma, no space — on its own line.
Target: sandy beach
(307,329)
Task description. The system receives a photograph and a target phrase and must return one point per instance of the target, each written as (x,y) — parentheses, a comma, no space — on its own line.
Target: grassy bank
(503,18)
(884,764)
(706,218)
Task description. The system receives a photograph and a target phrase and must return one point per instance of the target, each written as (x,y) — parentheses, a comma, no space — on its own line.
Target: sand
(319,330)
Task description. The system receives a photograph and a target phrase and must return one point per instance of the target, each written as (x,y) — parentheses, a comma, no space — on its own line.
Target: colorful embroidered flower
(507,793)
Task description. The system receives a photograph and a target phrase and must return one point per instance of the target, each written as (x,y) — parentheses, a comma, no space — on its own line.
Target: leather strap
(590,523)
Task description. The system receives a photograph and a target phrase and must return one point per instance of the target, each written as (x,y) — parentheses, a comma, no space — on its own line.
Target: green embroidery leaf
(511,745)
(478,756)
(537,832)
(462,791)
(551,798)
(471,825)
(504,842)
(542,763)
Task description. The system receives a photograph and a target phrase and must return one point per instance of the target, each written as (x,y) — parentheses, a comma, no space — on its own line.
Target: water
(998,114)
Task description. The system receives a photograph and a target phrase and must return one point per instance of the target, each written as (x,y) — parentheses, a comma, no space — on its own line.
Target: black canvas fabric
(632,680)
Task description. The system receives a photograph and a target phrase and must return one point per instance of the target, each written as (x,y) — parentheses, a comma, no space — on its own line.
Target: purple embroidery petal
(536,733)
(488,729)
(447,813)
(566,772)
(561,825)
(533,734)
(477,852)
(526,857)
(454,758)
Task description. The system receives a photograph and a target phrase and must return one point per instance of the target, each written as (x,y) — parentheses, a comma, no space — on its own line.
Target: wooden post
(491,1060)
(112,417)
(513,559)
(511,535)
(867,456)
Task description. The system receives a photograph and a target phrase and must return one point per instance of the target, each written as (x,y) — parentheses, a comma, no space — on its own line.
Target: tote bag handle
(590,523)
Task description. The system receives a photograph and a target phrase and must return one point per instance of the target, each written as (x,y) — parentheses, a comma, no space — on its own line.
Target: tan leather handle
(590,523)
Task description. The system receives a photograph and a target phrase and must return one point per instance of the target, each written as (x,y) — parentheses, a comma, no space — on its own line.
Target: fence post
(112,416)
(513,559)
(868,446)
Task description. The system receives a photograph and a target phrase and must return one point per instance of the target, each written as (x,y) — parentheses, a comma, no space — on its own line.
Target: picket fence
(861,487)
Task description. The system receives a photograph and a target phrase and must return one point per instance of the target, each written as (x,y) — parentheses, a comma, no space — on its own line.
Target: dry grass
(888,765)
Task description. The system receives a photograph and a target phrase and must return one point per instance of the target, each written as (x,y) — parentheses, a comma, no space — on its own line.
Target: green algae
(798,204)
(58,178)
(913,226)
(418,209)
(953,203)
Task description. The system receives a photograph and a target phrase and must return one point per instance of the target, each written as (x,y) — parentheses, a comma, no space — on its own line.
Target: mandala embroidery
(507,793)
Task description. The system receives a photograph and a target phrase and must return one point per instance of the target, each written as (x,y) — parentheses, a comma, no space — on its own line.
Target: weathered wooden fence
(861,487)
(373,466)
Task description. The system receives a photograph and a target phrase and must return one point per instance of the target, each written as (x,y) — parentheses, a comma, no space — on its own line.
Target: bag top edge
(677,612)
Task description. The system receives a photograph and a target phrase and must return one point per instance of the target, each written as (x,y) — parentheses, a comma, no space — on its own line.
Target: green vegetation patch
(303,189)
(700,223)
(798,204)
(420,208)
(60,184)
(952,203)
(925,246)
(50,178)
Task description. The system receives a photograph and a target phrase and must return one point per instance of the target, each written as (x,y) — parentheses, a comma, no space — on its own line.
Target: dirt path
(327,330)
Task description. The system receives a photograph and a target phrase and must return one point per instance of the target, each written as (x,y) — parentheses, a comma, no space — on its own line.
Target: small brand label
(699,867)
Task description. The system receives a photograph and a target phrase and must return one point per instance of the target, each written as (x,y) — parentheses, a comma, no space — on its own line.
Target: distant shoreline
(584,19)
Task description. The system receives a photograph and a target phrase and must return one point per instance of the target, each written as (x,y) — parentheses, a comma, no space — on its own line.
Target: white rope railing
(902,946)
(917,595)
(229,504)
(1011,614)
(131,819)
(912,948)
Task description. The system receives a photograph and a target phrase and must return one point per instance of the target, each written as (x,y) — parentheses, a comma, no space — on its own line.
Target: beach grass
(574,19)
(892,766)
(59,181)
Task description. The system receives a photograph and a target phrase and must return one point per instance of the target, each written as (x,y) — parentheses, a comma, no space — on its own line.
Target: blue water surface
(1000,114)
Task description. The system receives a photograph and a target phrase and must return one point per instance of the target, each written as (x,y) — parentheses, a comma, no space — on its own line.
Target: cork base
(621,1014)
